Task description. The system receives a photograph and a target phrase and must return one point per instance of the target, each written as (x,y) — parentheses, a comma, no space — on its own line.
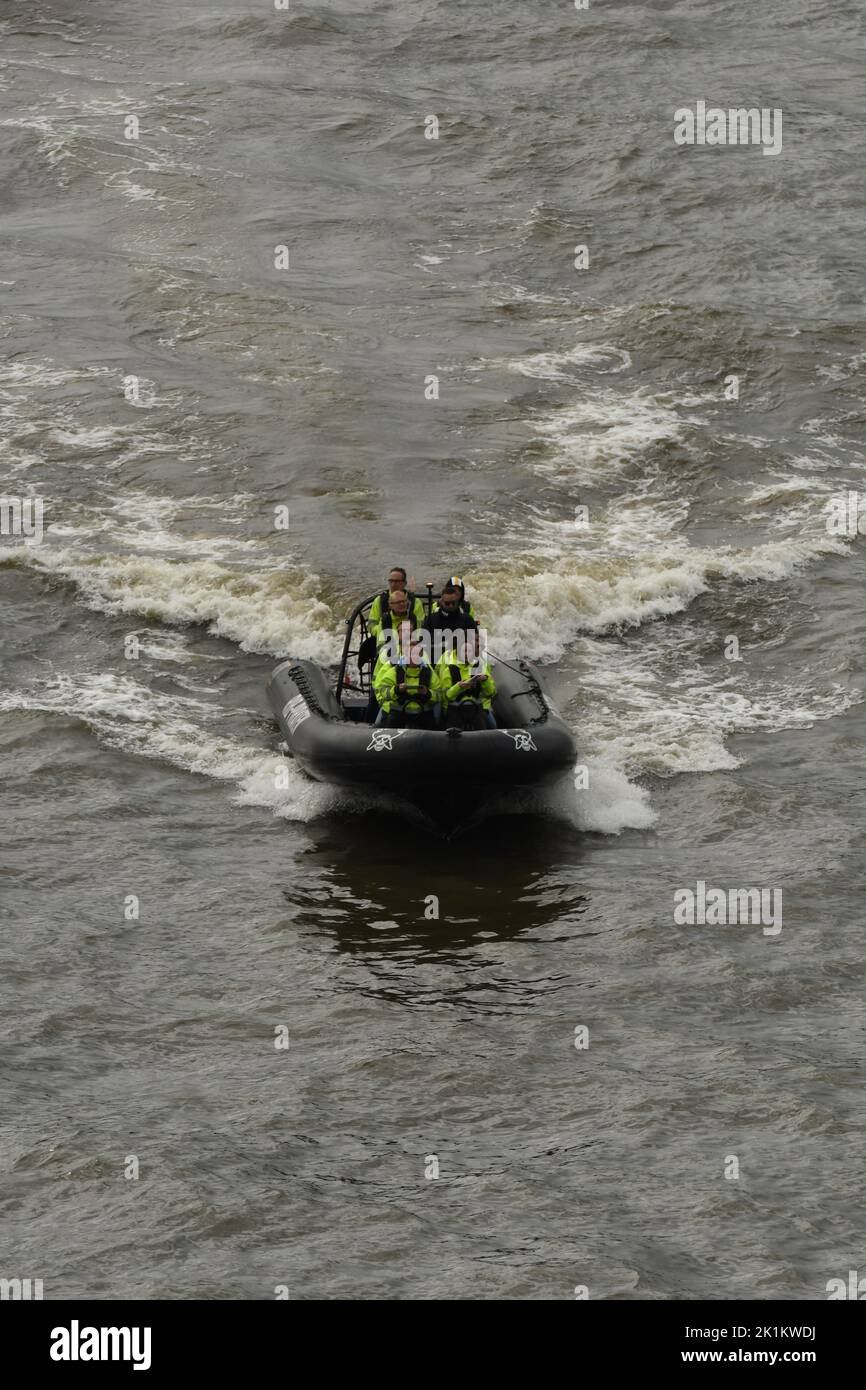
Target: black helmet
(454,584)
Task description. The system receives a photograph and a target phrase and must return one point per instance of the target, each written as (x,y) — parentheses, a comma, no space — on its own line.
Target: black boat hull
(535,749)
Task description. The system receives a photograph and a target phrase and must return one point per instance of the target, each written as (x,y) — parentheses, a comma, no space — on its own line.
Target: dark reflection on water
(378,885)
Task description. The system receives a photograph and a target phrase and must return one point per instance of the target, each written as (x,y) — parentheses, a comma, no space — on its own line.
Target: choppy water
(264,906)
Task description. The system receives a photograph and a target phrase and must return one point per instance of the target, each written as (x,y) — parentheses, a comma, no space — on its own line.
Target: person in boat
(382,604)
(452,609)
(451,620)
(390,641)
(467,688)
(407,689)
(397,626)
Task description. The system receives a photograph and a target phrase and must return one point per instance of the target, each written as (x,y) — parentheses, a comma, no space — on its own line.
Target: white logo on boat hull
(383,739)
(523,742)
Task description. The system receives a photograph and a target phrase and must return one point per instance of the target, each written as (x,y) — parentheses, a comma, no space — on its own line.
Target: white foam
(524,295)
(274,610)
(165,646)
(93,438)
(134,192)
(130,717)
(610,803)
(144,523)
(788,501)
(655,709)
(606,430)
(607,805)
(539,611)
(658,713)
(839,372)
(76,131)
(53,144)
(44,372)
(559,366)
(28,408)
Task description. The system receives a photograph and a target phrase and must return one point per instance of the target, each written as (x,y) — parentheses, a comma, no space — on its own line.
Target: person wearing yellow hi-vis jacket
(468,689)
(384,610)
(408,692)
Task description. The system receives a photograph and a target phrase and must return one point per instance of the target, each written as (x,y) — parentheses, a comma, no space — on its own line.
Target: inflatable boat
(326,724)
